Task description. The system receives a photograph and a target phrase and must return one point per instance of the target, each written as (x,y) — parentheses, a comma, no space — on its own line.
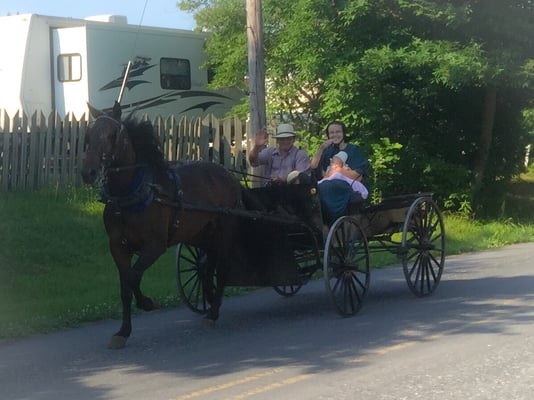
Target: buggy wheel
(287,290)
(307,259)
(190,275)
(423,246)
(346,265)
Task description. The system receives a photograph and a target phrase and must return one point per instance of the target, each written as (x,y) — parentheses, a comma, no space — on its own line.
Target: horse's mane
(146,144)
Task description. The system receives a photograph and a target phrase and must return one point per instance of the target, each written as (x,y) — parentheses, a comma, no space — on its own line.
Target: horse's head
(101,140)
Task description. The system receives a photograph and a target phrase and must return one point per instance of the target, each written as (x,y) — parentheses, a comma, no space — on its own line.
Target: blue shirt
(278,165)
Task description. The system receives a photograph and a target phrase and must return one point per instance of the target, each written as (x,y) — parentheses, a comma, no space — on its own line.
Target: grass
(55,266)
(56,271)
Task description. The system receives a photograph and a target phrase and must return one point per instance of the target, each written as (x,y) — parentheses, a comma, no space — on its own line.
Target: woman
(336,194)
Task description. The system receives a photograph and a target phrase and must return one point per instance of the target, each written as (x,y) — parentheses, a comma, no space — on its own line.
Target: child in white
(335,171)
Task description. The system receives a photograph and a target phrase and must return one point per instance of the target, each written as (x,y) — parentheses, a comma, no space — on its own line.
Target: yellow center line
(482,321)
(380,351)
(272,386)
(227,385)
(395,347)
(399,346)
(384,350)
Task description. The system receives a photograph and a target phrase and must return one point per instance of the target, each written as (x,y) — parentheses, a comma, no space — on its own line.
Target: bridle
(107,158)
(136,191)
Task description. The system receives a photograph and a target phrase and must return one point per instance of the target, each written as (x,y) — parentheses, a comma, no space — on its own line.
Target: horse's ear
(94,112)
(117,111)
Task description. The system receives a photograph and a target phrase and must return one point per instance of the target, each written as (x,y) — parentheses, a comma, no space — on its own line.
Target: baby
(334,171)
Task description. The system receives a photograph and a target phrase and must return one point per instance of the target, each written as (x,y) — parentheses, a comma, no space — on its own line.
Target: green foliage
(227,45)
(384,158)
(415,72)
(528,120)
(460,202)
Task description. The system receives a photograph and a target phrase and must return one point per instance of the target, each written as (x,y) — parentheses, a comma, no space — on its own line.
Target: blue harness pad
(139,195)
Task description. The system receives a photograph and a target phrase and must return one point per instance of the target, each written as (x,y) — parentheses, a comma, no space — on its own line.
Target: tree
(449,80)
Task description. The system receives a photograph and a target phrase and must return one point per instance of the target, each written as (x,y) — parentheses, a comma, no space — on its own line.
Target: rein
(246,175)
(124,168)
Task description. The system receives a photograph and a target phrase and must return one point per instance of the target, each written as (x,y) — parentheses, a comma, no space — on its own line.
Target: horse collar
(139,195)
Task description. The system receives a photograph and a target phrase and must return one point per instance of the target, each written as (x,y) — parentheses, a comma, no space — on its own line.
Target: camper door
(70,80)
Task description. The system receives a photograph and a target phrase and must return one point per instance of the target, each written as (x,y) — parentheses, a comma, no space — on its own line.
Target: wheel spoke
(360,283)
(434,260)
(424,275)
(431,268)
(354,284)
(414,265)
(190,276)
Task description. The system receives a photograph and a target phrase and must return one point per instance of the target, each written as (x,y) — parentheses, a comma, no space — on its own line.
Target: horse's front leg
(130,285)
(123,259)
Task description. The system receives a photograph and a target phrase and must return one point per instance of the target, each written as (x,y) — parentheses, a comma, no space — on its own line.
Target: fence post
(80,147)
(6,150)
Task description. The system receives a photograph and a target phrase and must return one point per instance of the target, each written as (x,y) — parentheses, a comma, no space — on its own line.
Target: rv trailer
(60,64)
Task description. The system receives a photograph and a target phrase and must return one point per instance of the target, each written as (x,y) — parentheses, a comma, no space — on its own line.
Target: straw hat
(293,177)
(284,130)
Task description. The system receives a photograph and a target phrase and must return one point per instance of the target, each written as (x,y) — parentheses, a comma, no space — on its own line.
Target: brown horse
(150,207)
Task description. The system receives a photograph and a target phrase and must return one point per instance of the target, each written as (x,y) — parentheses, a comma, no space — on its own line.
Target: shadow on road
(479,292)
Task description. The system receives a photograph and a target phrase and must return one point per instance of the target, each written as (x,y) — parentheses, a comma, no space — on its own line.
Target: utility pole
(256,66)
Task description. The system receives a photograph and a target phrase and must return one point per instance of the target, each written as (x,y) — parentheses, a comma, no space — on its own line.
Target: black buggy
(284,242)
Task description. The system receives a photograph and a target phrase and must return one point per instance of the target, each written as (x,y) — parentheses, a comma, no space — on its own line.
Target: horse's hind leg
(214,288)
(209,287)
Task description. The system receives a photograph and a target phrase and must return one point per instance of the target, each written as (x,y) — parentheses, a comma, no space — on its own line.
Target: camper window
(69,67)
(175,73)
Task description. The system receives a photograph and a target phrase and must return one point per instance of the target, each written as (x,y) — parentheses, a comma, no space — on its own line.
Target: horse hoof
(208,323)
(117,342)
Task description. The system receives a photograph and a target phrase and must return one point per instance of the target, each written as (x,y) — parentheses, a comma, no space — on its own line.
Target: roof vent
(113,19)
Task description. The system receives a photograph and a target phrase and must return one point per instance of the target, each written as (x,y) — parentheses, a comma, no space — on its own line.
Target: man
(279,161)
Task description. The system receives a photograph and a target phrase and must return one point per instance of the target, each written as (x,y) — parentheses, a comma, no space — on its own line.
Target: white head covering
(342,156)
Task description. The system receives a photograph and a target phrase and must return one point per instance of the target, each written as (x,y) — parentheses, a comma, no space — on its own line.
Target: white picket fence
(45,151)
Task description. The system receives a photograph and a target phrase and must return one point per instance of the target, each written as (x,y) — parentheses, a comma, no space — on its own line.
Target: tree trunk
(485,139)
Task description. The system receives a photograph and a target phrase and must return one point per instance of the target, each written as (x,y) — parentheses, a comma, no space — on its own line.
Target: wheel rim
(423,247)
(190,275)
(346,265)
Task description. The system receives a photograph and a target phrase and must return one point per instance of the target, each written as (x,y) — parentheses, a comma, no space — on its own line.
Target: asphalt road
(473,339)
